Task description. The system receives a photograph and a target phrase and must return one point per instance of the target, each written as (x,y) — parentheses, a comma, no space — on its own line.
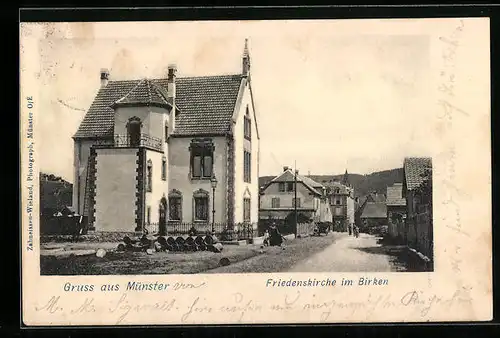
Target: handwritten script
(239,308)
(449,110)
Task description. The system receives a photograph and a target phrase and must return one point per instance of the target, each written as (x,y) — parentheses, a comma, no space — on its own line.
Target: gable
(245,97)
(206,105)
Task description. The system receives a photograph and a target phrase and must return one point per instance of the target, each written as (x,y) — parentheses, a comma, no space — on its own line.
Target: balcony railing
(145,140)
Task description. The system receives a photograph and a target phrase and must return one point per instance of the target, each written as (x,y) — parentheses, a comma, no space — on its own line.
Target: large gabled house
(278,203)
(168,150)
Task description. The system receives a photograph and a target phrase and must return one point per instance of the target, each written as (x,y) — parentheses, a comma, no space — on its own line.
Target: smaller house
(372,212)
(278,199)
(396,210)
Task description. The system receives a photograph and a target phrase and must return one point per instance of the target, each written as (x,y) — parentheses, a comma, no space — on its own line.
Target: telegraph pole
(295,204)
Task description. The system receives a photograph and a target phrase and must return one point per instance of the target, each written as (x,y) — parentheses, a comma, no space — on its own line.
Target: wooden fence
(420,233)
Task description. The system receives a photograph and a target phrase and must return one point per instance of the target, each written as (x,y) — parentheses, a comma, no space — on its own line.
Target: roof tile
(374,210)
(206,105)
(414,170)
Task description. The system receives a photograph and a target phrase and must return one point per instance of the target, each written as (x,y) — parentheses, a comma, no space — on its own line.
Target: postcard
(255,172)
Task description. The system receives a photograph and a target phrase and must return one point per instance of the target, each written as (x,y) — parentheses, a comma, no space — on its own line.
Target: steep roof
(414,168)
(289,176)
(374,210)
(395,195)
(145,92)
(312,182)
(206,105)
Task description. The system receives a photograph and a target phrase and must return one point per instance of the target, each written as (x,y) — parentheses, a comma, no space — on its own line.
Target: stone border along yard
(272,259)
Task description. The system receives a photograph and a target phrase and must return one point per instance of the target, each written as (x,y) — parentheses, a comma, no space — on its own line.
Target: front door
(162,224)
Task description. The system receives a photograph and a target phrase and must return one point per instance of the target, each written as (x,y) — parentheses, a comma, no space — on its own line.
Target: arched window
(175,205)
(166,132)
(134,126)
(200,200)
(149,178)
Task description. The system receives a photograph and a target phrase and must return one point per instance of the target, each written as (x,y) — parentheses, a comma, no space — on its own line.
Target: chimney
(104,77)
(285,168)
(171,92)
(246,60)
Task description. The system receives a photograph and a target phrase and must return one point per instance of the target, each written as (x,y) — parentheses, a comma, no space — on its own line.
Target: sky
(329,95)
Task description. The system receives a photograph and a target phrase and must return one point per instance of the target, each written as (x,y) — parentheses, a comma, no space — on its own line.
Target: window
(290,186)
(247,125)
(200,205)
(246,209)
(202,152)
(296,202)
(282,187)
(275,202)
(337,201)
(175,205)
(164,168)
(149,182)
(337,191)
(166,132)
(134,131)
(247,166)
(148,215)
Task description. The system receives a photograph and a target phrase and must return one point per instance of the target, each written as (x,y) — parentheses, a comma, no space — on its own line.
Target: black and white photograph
(271,171)
(209,159)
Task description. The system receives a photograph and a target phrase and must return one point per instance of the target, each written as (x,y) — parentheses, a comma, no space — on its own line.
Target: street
(350,254)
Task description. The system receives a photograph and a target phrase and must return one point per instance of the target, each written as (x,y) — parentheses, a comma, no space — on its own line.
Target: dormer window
(247,126)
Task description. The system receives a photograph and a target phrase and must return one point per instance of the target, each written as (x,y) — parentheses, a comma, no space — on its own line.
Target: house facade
(396,211)
(418,234)
(342,201)
(277,200)
(169,150)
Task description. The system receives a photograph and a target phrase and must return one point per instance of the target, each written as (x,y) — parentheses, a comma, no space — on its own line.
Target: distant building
(277,198)
(342,203)
(418,232)
(396,210)
(372,211)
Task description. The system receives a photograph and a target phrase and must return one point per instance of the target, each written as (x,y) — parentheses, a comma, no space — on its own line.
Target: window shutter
(197,166)
(207,166)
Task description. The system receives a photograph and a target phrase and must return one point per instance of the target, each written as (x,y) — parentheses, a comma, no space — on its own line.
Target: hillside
(363,184)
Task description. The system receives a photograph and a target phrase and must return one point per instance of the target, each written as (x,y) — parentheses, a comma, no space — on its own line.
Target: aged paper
(153,141)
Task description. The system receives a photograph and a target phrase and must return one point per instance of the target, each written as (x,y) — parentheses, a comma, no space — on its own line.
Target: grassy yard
(244,259)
